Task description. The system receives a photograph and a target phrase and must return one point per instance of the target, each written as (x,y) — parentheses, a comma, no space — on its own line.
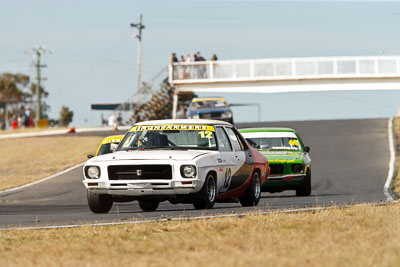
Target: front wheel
(305,188)
(252,194)
(99,203)
(148,205)
(205,198)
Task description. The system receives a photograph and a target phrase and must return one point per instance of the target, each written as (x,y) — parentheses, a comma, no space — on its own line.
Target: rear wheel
(253,192)
(205,198)
(99,203)
(305,188)
(148,205)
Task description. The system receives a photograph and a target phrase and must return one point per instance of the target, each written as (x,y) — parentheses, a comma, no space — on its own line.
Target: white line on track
(60,132)
(392,162)
(40,181)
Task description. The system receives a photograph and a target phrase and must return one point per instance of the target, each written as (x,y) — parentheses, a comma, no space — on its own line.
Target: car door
(243,163)
(226,159)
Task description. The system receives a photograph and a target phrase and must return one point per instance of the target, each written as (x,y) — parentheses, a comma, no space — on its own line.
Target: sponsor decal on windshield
(115,140)
(172,127)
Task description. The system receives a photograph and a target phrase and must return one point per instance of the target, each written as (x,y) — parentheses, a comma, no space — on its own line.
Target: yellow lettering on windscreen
(208,128)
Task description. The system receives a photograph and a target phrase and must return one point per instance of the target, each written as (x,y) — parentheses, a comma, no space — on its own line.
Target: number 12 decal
(205,134)
(228,179)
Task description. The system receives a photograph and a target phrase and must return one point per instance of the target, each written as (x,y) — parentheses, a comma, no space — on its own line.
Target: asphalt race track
(350,162)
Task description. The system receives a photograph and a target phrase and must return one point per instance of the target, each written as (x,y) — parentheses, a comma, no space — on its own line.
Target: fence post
(175,105)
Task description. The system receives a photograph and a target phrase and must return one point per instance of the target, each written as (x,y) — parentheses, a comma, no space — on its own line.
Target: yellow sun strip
(112,139)
(172,127)
(194,100)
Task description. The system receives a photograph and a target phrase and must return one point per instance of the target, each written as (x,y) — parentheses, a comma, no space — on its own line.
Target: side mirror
(251,142)
(307,149)
(90,156)
(113,147)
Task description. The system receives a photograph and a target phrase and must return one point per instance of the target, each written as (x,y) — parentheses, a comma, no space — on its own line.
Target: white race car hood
(152,155)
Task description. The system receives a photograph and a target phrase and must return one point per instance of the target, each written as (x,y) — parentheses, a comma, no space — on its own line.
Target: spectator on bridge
(181,69)
(187,67)
(200,68)
(214,57)
(174,58)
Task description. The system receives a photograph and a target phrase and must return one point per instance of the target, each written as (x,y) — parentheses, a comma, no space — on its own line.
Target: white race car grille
(139,172)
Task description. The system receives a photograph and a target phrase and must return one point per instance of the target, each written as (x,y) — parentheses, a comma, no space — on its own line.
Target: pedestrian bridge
(285,75)
(282,75)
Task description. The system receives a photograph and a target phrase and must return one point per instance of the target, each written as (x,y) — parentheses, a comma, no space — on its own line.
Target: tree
(17,91)
(13,94)
(65,116)
(12,87)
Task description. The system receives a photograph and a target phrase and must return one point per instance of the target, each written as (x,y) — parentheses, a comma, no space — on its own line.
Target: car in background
(288,159)
(199,162)
(105,145)
(212,108)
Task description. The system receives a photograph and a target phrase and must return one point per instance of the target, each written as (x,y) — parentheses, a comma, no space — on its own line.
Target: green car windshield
(170,137)
(277,143)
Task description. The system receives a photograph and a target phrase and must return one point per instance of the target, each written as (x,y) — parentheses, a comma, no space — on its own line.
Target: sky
(94,53)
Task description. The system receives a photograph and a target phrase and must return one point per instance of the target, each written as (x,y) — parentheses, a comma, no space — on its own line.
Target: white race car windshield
(169,137)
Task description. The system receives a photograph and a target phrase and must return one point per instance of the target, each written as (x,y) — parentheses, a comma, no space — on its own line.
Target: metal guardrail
(285,69)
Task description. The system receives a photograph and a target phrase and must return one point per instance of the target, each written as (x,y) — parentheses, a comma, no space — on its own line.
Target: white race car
(182,161)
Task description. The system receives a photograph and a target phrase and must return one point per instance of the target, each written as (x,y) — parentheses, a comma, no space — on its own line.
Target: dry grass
(396,182)
(25,160)
(356,236)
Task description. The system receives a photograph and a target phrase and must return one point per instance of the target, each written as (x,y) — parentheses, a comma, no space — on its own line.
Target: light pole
(38,52)
(139,26)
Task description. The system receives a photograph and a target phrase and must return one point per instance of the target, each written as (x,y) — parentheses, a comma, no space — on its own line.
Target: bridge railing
(285,69)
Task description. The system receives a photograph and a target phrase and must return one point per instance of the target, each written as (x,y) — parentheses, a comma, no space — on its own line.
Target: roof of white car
(183,121)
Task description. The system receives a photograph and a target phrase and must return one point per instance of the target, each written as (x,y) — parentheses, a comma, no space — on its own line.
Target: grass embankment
(356,236)
(25,160)
(396,182)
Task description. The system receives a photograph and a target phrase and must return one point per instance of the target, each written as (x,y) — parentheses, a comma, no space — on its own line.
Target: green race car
(288,159)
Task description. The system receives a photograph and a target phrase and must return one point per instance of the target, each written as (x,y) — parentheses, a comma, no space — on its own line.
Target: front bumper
(283,180)
(143,188)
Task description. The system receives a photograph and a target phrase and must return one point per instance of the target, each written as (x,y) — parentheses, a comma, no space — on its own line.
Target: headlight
(188,171)
(92,172)
(296,167)
(227,115)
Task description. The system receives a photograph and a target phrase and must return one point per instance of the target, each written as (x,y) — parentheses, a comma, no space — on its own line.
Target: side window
(237,145)
(223,142)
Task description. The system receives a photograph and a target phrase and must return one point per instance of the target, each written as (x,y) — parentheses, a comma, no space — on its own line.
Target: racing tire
(252,195)
(304,190)
(99,203)
(205,198)
(148,205)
